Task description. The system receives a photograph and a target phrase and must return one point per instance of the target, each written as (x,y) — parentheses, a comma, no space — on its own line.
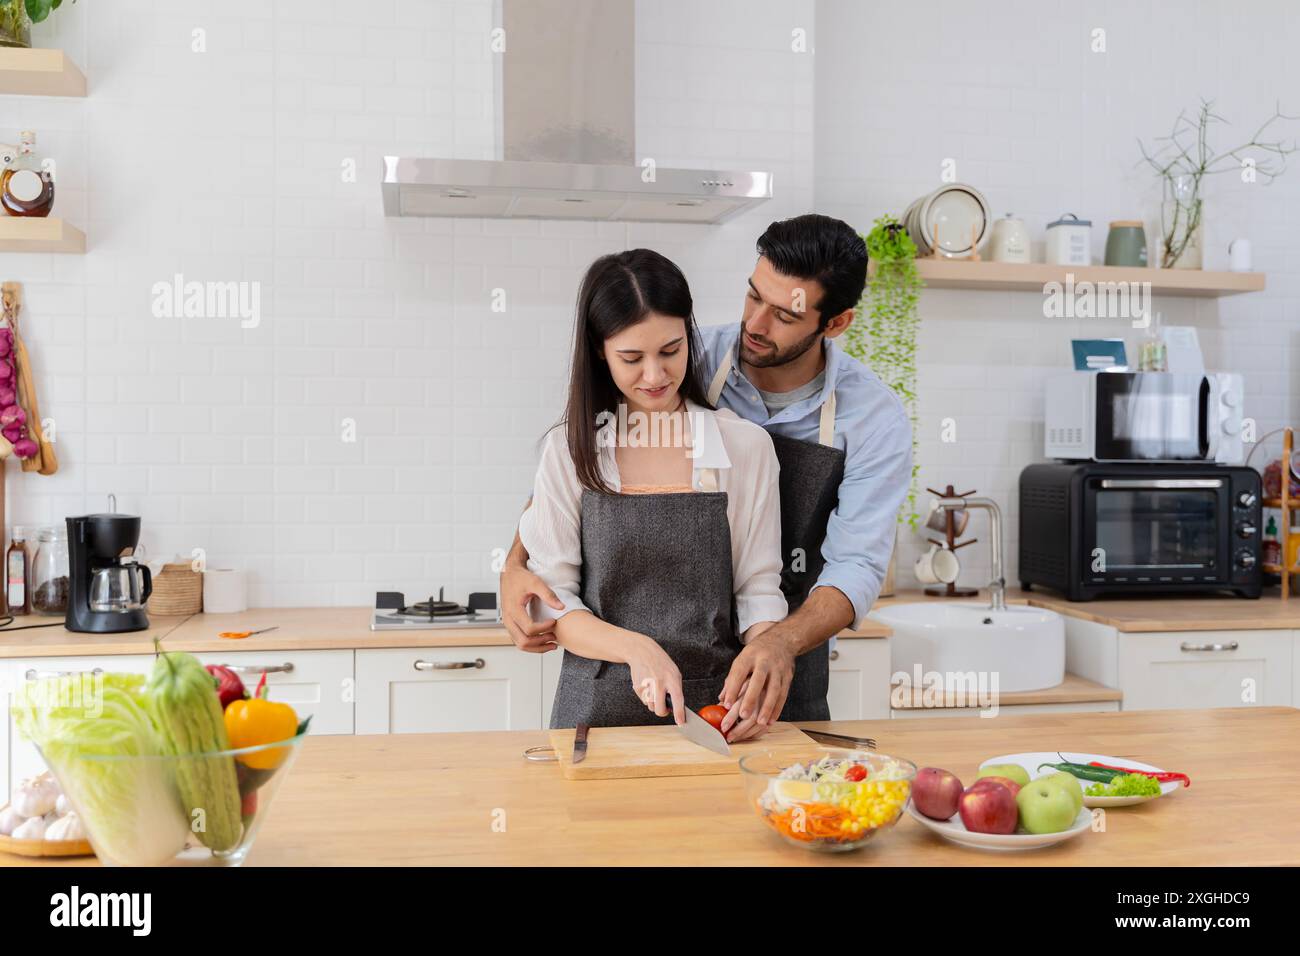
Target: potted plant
(17,17)
(1183,162)
(883,334)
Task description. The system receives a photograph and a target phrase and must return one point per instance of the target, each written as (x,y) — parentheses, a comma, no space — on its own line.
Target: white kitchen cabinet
(441,689)
(859,686)
(317,684)
(24,759)
(1205,669)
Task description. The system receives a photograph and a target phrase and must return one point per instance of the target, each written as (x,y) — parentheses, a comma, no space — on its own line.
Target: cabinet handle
(255,669)
(1230,646)
(33,674)
(835,655)
(477,663)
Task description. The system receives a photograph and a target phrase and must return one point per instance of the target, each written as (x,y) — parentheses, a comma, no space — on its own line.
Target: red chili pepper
(1162,777)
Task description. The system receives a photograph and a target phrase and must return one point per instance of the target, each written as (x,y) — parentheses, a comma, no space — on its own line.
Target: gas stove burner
(432,608)
(393,613)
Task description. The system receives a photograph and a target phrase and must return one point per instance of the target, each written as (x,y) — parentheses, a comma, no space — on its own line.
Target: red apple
(988,809)
(935,793)
(998,781)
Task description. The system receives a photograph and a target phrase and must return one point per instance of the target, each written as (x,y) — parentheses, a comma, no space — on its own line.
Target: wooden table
(471,799)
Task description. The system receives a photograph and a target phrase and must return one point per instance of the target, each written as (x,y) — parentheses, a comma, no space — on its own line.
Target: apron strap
(825,423)
(719,380)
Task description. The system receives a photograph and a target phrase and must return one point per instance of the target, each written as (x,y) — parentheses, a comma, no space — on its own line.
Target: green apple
(1012,771)
(1070,783)
(1045,807)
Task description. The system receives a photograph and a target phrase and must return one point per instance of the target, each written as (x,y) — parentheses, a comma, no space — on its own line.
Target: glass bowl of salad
(832,800)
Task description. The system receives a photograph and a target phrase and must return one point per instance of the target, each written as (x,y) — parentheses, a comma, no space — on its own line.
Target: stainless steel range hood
(568,135)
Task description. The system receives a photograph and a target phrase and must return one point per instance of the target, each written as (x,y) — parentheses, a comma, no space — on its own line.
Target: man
(845,448)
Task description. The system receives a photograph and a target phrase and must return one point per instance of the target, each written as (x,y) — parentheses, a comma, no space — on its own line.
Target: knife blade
(840,740)
(700,731)
(580,743)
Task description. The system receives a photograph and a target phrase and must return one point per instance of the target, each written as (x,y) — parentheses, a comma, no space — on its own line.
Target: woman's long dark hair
(618,291)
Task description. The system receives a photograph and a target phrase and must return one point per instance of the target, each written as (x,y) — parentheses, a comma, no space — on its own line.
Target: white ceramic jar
(1010,240)
(1069,241)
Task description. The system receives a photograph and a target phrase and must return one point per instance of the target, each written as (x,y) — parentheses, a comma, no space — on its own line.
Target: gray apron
(811,473)
(660,565)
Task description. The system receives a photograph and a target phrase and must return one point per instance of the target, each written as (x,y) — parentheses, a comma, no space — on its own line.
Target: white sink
(1020,648)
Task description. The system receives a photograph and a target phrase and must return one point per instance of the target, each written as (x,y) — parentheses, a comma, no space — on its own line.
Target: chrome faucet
(998,586)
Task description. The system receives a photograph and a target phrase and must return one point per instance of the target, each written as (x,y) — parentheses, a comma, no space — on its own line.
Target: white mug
(1239,255)
(937,566)
(223,591)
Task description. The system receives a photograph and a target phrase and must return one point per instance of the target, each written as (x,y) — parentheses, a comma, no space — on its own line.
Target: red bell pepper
(1161,777)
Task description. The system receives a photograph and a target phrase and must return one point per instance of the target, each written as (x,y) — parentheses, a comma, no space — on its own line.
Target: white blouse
(735,453)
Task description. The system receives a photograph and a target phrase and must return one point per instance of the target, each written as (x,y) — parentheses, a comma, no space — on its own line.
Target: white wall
(226,166)
(1042,125)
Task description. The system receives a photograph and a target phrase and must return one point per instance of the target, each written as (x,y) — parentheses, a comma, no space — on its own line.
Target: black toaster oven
(1089,528)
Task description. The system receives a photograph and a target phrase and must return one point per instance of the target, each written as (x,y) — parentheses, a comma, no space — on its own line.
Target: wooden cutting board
(662,751)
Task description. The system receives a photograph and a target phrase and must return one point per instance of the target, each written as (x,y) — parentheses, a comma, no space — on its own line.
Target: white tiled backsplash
(230,165)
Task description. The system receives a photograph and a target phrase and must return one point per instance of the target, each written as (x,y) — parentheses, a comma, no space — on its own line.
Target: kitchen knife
(700,731)
(840,740)
(580,743)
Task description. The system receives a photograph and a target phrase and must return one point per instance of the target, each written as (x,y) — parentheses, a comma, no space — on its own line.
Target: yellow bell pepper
(256,721)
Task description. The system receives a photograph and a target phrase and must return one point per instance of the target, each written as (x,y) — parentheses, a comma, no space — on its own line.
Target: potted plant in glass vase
(883,336)
(17,17)
(1183,160)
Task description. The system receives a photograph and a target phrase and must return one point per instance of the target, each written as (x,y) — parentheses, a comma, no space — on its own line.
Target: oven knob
(1246,530)
(1246,499)
(1245,560)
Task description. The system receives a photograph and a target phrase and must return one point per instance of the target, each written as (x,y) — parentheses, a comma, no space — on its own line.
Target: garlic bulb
(36,797)
(62,806)
(67,827)
(9,820)
(33,829)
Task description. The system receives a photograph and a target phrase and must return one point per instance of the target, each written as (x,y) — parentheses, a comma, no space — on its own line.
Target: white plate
(955,210)
(953,829)
(1030,762)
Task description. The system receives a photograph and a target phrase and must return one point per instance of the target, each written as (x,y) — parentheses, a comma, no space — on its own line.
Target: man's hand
(518,588)
(757,685)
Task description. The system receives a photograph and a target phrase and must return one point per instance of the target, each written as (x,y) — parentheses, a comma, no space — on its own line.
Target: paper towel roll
(223,591)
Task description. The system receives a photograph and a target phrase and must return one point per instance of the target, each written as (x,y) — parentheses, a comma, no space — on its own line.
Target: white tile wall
(227,165)
(1042,125)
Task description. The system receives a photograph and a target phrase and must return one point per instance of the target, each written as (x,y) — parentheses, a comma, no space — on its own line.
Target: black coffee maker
(107,589)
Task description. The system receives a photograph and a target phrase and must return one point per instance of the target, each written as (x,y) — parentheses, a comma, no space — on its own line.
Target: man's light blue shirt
(871,427)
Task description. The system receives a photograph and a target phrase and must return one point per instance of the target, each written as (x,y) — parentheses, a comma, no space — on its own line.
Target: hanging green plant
(883,333)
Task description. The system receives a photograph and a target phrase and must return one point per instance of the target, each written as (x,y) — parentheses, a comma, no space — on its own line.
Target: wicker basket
(177,589)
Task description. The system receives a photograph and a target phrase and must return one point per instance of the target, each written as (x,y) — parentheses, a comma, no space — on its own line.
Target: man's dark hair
(821,248)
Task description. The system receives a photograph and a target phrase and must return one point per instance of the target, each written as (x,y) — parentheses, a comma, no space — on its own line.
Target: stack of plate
(950,212)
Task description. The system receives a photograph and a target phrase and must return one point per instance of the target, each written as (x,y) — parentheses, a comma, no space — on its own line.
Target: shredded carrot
(812,821)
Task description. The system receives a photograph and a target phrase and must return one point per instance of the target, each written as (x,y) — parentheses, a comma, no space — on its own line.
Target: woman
(655,519)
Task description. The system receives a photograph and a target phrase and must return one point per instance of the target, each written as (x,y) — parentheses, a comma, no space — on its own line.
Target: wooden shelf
(39,73)
(33,234)
(1032,276)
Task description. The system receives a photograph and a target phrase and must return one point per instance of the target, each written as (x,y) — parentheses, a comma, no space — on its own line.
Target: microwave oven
(1144,416)
(1088,529)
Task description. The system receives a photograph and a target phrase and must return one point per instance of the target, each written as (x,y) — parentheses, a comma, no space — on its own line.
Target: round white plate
(955,210)
(1030,762)
(953,829)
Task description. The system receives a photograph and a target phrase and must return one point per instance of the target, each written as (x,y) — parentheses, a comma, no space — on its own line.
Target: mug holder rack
(951,544)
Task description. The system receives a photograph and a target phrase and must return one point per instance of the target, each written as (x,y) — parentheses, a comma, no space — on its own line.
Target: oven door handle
(1162,483)
(1209,431)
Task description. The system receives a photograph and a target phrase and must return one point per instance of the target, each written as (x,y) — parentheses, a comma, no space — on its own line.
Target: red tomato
(714,713)
(855,773)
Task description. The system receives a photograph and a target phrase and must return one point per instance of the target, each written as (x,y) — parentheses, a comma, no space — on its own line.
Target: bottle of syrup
(17,568)
(25,188)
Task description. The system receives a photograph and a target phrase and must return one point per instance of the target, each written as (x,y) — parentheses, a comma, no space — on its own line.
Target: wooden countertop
(298,629)
(472,800)
(1152,613)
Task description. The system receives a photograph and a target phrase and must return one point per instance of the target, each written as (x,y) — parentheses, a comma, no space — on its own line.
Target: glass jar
(50,573)
(15,24)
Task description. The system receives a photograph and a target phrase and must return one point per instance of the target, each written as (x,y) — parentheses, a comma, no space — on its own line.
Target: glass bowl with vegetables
(832,800)
(157,769)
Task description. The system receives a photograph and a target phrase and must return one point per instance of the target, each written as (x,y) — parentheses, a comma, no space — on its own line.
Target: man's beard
(771,359)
